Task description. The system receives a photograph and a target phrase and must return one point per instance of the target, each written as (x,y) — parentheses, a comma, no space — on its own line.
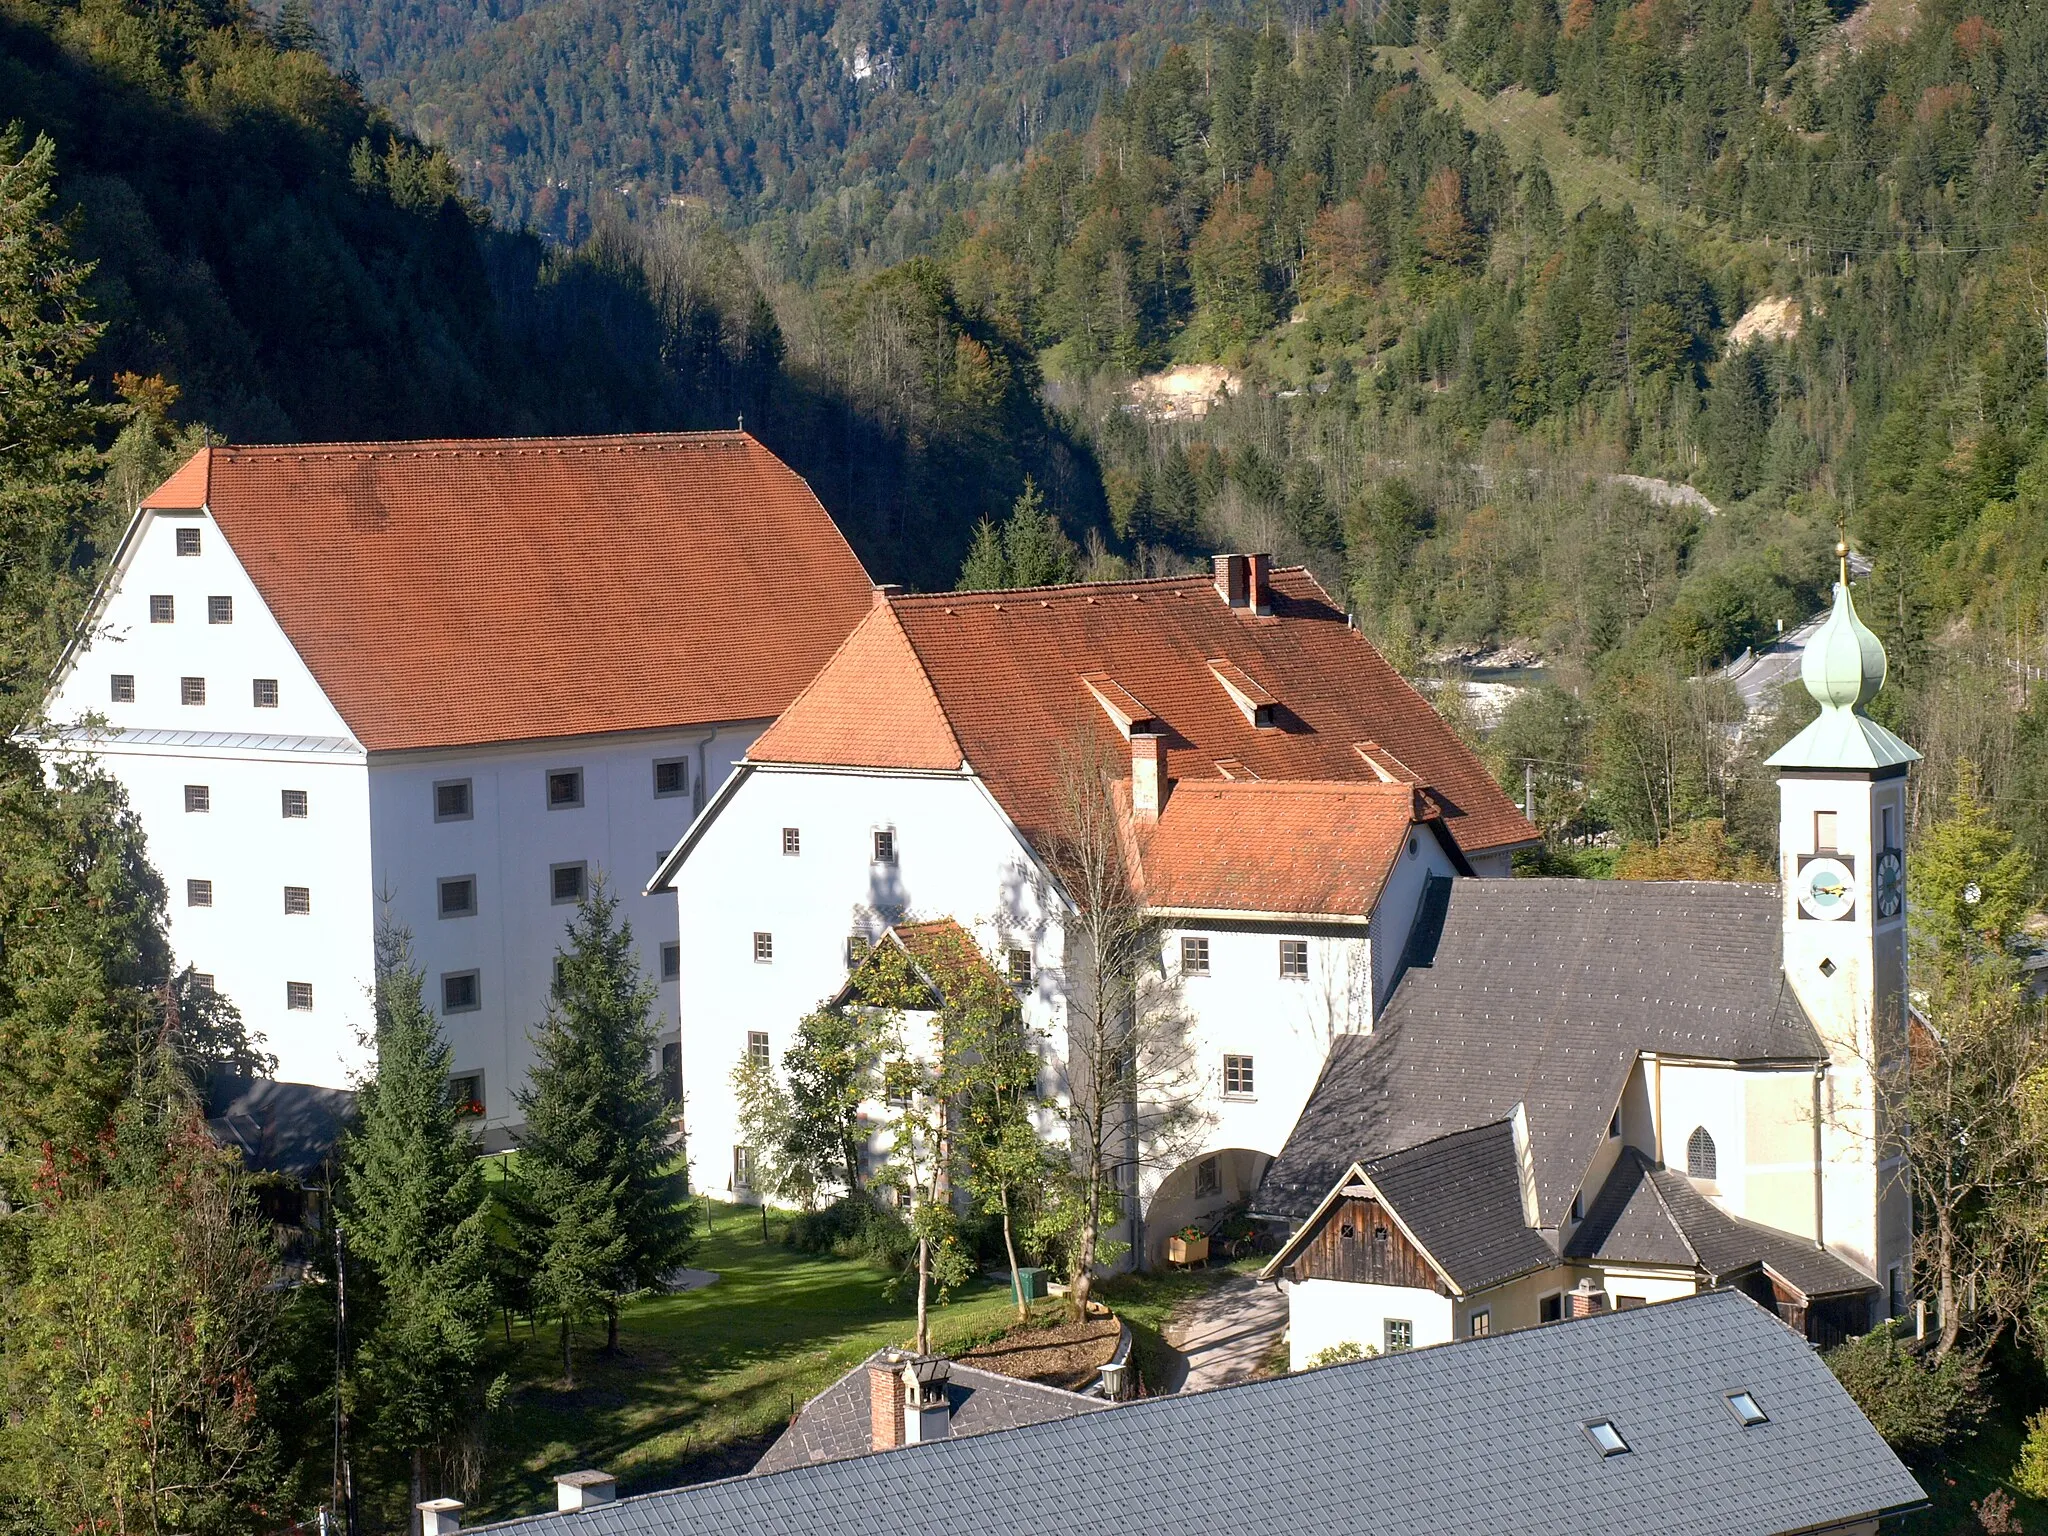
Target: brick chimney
(1585,1299)
(439,1517)
(584,1490)
(1148,775)
(1233,580)
(1259,582)
(885,1401)
(884,591)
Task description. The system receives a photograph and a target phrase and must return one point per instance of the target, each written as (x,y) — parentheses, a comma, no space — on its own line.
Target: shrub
(1339,1354)
(1915,1403)
(854,1227)
(2030,1473)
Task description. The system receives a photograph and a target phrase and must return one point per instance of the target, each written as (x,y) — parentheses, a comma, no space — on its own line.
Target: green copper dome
(1844,662)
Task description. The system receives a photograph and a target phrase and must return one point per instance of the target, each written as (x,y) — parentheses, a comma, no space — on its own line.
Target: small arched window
(1699,1154)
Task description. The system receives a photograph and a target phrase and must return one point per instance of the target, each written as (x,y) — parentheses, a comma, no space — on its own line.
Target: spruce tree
(413,1211)
(606,1210)
(987,568)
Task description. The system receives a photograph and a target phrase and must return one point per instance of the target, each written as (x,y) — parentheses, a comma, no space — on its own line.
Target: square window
(757,1047)
(202,983)
(898,1083)
(220,610)
(764,948)
(565,881)
(188,541)
(1294,957)
(198,798)
(1606,1438)
(451,800)
(885,846)
(460,992)
(565,789)
(458,896)
(792,842)
(1399,1334)
(298,900)
(1020,967)
(1237,1077)
(123,690)
(163,609)
(671,962)
(1824,833)
(1746,1410)
(467,1094)
(294,805)
(1550,1309)
(298,995)
(1479,1325)
(671,777)
(1630,1303)
(1208,1177)
(1194,957)
(263,691)
(191,690)
(198,893)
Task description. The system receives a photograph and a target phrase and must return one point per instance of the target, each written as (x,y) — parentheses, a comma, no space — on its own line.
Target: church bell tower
(1841,873)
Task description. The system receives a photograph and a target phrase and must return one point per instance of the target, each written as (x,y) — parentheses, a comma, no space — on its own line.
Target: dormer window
(1256,704)
(1123,707)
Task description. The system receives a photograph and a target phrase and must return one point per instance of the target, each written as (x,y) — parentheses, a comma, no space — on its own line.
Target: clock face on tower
(1891,883)
(1827,890)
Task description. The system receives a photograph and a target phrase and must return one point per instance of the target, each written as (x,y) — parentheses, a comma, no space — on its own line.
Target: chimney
(439,1517)
(927,1414)
(584,1490)
(884,591)
(1233,580)
(1148,775)
(1586,1299)
(1259,582)
(885,1401)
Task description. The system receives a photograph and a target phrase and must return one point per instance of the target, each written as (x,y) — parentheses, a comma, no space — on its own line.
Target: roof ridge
(1070,588)
(400,447)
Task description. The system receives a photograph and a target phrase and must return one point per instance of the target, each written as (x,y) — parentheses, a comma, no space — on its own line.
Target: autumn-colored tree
(1695,850)
(1442,229)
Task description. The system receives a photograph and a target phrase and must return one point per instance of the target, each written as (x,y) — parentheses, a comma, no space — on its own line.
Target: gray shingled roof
(1479,1437)
(287,1128)
(1651,1215)
(1543,993)
(835,1424)
(1461,1195)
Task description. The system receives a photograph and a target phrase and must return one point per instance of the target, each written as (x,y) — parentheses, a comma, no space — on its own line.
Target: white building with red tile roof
(451,681)
(1284,796)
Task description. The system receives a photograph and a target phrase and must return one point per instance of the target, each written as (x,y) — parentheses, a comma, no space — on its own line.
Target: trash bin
(1030,1283)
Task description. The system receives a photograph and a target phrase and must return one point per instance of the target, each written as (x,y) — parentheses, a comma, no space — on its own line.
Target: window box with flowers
(1190,1246)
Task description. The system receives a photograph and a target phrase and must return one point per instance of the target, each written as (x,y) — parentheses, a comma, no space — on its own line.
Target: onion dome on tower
(1843,668)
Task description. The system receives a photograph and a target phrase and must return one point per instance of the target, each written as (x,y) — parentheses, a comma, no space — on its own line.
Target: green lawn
(703,1381)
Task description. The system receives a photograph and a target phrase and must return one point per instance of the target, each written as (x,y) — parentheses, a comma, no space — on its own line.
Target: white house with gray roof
(1593,1095)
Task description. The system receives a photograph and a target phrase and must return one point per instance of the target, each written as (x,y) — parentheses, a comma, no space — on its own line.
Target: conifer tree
(987,568)
(47,423)
(605,1209)
(413,1210)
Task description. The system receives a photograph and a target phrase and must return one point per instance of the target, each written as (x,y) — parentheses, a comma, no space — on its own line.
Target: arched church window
(1699,1154)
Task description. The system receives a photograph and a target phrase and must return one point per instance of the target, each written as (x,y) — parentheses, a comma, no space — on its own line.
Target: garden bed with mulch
(1065,1355)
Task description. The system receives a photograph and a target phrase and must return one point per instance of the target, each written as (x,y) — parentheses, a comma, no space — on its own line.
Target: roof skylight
(1745,1408)
(1606,1438)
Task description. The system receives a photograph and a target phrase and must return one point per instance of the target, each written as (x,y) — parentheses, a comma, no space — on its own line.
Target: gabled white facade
(957,854)
(369,844)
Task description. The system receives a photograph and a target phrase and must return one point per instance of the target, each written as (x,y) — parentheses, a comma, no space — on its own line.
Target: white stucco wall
(1322,1313)
(955,857)
(510,843)
(245,756)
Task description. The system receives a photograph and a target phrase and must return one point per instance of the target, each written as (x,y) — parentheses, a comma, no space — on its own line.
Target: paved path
(1224,1336)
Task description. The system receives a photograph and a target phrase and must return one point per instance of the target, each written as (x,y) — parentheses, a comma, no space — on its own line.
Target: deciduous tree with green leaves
(414,1211)
(606,1208)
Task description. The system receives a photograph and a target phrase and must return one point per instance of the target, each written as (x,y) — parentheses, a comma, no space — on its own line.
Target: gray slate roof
(1645,1214)
(1461,1195)
(1543,993)
(1478,1437)
(286,1128)
(835,1424)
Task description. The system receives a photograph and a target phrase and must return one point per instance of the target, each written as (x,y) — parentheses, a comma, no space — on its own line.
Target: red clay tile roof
(448,593)
(1006,671)
(1306,846)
